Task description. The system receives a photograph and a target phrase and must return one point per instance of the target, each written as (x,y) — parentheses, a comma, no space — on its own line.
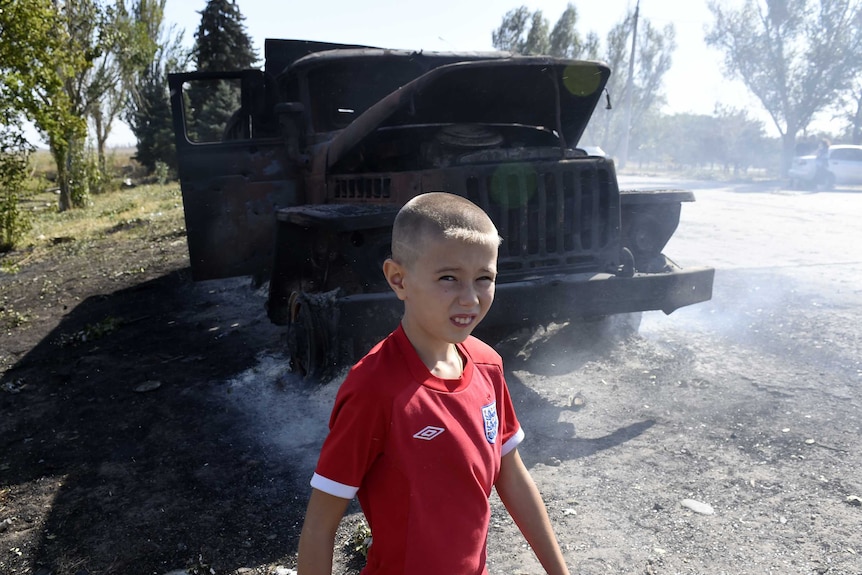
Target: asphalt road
(749,404)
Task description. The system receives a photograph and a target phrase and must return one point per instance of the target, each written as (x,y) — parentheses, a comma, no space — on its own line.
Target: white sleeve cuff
(513,442)
(333,487)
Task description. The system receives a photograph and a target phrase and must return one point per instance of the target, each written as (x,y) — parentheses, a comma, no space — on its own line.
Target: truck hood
(554,94)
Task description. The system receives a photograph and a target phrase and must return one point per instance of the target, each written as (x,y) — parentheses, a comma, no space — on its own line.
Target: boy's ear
(394,273)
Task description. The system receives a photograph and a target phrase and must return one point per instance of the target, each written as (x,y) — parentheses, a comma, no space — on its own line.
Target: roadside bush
(162,173)
(14,156)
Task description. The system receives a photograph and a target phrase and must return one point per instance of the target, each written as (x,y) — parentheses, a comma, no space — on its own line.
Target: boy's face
(446,291)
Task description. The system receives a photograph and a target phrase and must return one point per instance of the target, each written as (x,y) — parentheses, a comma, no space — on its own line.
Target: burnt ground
(114,457)
(150,425)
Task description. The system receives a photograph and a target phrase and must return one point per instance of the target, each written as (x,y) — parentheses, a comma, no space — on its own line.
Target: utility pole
(624,152)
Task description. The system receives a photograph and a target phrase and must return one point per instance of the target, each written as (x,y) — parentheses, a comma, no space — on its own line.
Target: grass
(108,213)
(120,161)
(142,212)
(122,210)
(111,212)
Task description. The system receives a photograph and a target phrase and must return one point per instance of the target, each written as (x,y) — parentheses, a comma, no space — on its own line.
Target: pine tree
(221,44)
(150,120)
(148,110)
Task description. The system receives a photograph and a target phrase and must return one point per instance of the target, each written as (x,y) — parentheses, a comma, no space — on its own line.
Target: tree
(62,62)
(221,44)
(148,110)
(15,82)
(127,46)
(509,36)
(653,58)
(741,139)
(525,33)
(851,112)
(795,56)
(14,156)
(563,41)
(567,43)
(729,139)
(537,38)
(38,60)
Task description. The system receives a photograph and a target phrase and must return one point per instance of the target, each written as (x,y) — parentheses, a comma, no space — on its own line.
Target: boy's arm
(317,540)
(522,499)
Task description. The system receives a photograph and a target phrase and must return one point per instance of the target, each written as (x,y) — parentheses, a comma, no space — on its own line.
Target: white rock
(697,506)
(149,385)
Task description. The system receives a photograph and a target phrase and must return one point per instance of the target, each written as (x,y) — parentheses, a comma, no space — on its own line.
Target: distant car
(845,167)
(594,151)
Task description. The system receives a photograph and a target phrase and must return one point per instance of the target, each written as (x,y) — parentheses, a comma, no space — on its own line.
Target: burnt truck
(299,187)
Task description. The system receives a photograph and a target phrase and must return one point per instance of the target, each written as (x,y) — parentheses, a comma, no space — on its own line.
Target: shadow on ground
(121,456)
(115,457)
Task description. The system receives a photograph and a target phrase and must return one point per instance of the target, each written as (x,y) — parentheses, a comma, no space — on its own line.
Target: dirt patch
(115,458)
(150,424)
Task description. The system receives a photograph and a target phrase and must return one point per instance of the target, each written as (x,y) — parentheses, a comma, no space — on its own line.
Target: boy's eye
(447,278)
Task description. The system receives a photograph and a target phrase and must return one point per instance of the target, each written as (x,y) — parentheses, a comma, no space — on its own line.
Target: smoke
(283,414)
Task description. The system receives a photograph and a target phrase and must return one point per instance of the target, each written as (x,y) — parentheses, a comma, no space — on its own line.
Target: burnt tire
(307,339)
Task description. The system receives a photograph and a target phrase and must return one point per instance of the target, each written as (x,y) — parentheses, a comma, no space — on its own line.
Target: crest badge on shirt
(489,416)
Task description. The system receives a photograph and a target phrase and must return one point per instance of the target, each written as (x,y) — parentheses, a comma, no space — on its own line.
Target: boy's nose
(468,295)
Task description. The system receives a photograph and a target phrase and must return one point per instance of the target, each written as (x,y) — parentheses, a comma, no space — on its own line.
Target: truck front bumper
(559,298)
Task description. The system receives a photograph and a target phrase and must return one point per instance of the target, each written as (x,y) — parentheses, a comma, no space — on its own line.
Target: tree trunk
(102,132)
(788,150)
(60,153)
(71,177)
(856,129)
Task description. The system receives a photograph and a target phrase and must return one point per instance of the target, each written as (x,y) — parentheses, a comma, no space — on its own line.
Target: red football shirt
(422,454)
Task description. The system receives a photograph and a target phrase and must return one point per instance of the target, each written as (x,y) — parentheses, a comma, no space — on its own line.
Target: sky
(695,82)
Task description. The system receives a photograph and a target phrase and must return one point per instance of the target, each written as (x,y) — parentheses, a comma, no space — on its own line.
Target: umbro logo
(429,433)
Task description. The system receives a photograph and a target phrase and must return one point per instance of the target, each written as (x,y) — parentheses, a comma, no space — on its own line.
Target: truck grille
(361,188)
(557,216)
(565,215)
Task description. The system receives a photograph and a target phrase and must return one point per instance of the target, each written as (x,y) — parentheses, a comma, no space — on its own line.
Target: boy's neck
(442,359)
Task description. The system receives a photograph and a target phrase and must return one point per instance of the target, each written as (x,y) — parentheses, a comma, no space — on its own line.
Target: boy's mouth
(463,320)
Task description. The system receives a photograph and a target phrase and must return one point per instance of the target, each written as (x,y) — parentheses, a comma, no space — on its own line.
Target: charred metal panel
(649,220)
(280,54)
(230,195)
(329,246)
(554,94)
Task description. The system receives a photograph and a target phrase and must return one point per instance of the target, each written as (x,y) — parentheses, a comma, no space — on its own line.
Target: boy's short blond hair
(435,216)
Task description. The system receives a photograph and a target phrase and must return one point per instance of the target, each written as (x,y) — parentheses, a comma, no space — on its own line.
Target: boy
(423,426)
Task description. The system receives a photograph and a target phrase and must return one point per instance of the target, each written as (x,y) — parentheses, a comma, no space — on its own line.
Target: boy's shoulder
(384,356)
(481,353)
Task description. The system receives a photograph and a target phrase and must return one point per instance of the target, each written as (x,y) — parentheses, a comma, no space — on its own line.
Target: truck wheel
(307,338)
